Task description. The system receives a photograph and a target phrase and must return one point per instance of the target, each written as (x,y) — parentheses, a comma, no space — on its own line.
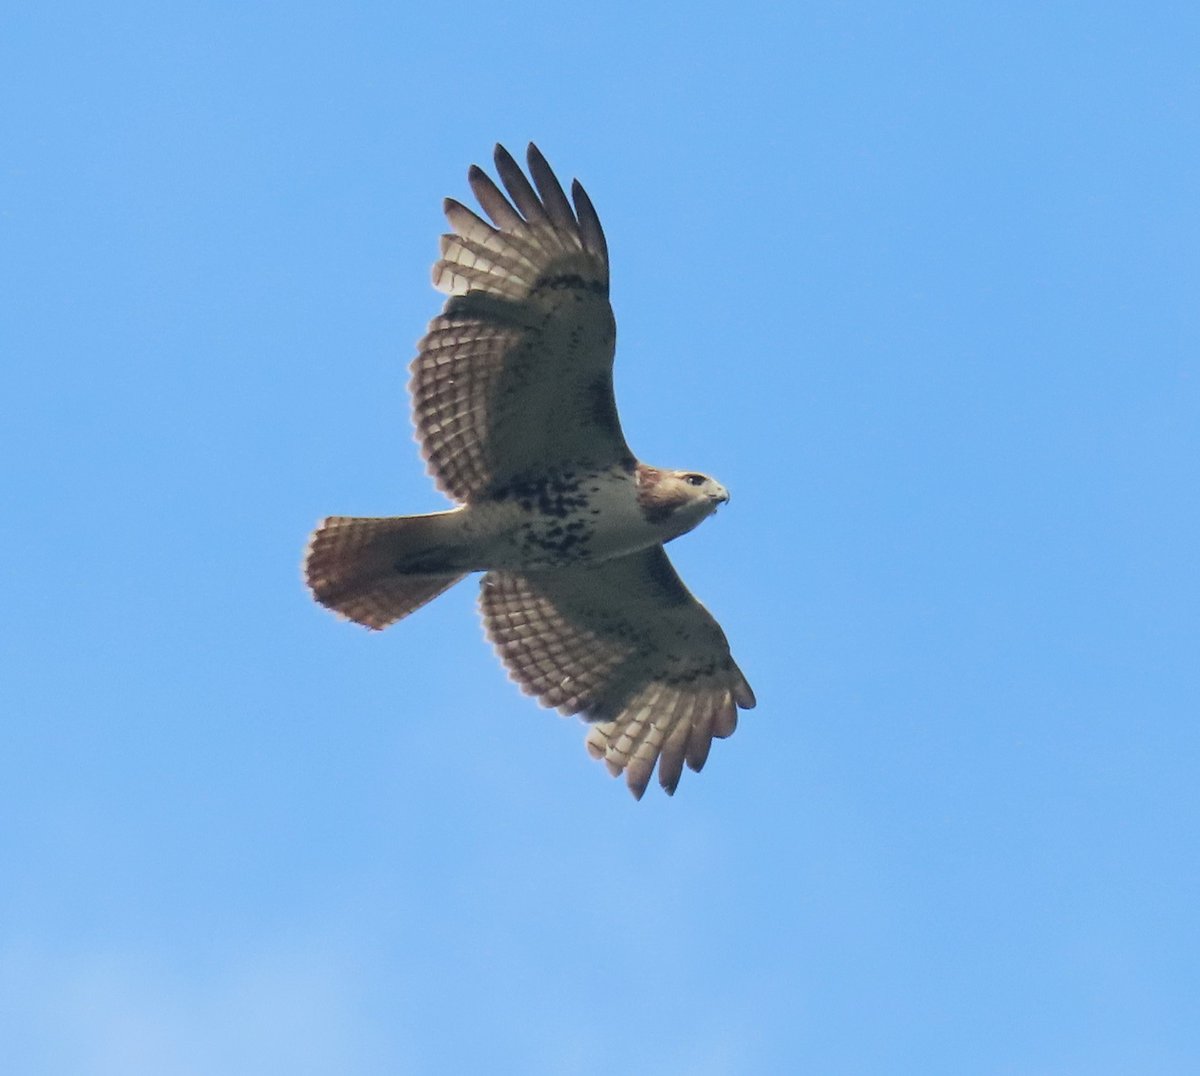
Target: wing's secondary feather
(625,644)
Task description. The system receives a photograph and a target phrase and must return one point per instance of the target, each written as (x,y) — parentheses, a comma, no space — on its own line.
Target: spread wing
(624,643)
(515,376)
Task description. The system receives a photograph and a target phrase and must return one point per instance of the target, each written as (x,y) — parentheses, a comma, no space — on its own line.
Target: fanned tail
(377,571)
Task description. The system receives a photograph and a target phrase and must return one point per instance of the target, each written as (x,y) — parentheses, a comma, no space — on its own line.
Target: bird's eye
(694,479)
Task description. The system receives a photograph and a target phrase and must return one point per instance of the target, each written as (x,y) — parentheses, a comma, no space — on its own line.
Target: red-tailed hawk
(513,404)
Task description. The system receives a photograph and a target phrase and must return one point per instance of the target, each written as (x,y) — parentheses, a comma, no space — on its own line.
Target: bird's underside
(514,410)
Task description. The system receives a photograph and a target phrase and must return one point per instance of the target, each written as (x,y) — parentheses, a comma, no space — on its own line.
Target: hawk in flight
(513,405)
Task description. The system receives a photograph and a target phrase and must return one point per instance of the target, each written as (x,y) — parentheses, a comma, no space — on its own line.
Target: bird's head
(678,500)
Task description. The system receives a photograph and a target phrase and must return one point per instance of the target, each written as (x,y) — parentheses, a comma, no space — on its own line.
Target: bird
(513,404)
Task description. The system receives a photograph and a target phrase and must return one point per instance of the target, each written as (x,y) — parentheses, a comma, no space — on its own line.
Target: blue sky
(916,282)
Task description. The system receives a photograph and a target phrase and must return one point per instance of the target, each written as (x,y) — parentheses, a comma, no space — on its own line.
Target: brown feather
(626,645)
(657,497)
(378,571)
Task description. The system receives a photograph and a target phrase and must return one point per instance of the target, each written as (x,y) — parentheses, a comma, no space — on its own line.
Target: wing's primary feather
(523,195)
(625,644)
(589,223)
(495,205)
(515,375)
(551,191)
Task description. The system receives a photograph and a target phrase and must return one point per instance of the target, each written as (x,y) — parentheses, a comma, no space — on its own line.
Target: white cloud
(122,1014)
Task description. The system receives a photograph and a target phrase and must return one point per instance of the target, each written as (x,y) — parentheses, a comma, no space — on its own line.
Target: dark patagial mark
(600,406)
(670,590)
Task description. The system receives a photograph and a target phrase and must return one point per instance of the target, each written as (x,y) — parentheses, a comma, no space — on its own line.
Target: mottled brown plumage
(514,410)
